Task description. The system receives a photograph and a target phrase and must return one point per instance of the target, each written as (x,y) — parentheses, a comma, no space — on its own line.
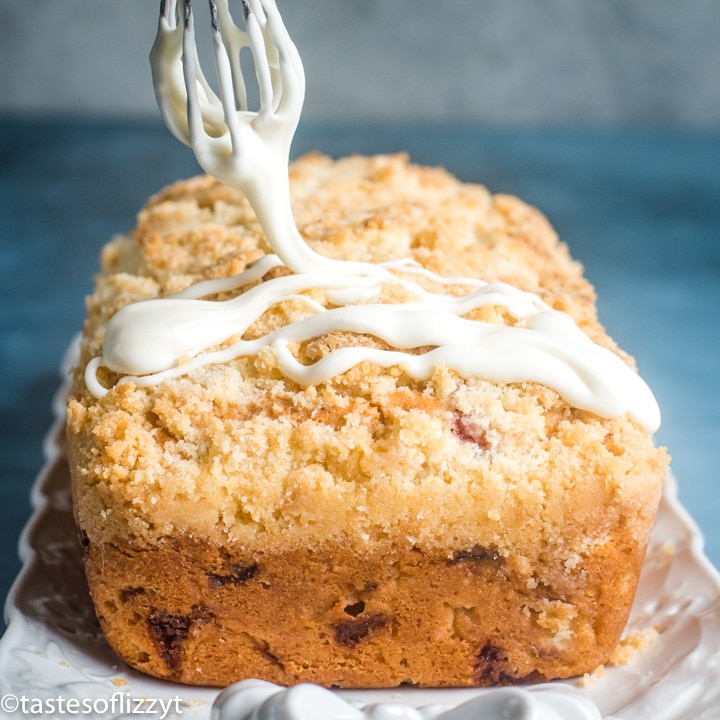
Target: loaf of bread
(370,529)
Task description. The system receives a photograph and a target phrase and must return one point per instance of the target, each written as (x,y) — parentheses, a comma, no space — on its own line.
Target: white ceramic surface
(53,647)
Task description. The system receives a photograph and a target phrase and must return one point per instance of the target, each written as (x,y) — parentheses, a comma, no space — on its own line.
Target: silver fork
(231,142)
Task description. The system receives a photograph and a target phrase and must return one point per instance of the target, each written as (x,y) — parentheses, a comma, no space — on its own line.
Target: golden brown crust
(239,458)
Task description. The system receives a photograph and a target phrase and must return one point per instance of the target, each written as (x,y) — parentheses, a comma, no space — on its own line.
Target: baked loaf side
(373,529)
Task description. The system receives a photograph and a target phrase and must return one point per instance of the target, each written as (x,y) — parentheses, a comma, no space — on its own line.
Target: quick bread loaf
(373,527)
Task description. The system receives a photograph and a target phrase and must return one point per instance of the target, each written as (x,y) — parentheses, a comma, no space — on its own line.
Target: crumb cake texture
(371,530)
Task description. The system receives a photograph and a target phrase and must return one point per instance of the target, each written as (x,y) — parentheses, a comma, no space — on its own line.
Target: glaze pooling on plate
(54,646)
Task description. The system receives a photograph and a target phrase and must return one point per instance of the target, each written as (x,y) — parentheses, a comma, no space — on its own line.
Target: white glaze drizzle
(158,339)
(154,340)
(260,700)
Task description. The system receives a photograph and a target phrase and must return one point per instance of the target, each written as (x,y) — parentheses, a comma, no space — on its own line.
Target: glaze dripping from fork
(241,148)
(163,338)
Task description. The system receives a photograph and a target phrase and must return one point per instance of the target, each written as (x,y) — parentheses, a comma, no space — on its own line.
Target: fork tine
(234,39)
(168,10)
(256,7)
(260,56)
(291,77)
(191,74)
(226,76)
(164,56)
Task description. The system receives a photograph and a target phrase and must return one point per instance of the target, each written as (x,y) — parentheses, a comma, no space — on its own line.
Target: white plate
(53,650)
